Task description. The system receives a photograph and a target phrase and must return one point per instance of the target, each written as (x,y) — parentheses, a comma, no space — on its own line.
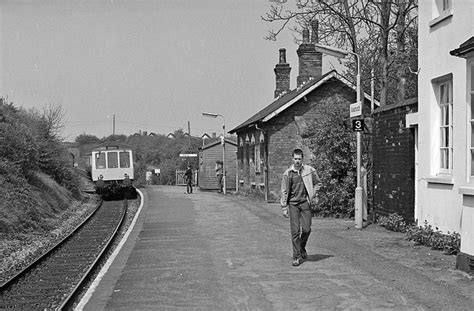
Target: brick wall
(283,135)
(394,161)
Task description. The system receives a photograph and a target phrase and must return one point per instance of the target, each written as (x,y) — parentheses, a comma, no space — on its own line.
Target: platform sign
(358,125)
(188,155)
(355,109)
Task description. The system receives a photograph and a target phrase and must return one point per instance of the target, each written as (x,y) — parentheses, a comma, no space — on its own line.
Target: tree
(366,27)
(85,139)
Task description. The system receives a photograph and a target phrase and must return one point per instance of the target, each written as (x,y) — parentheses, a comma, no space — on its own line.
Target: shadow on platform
(317,257)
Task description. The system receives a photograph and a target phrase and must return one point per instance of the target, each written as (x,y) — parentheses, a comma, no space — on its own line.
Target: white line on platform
(80,306)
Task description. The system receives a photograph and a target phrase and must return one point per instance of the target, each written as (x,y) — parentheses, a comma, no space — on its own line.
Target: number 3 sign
(357,125)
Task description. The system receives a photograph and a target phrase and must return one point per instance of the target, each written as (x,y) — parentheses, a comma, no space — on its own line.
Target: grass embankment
(36,216)
(40,194)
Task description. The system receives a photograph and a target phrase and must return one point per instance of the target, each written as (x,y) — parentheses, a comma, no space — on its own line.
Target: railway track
(51,282)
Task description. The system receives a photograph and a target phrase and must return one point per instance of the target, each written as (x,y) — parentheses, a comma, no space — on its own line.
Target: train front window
(100,160)
(124,159)
(112,160)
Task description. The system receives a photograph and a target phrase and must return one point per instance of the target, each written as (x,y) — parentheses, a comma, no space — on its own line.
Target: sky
(154,65)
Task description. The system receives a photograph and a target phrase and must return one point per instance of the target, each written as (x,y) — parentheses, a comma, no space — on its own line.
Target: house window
(442,7)
(442,10)
(247,150)
(446,126)
(252,154)
(445,5)
(240,149)
(256,149)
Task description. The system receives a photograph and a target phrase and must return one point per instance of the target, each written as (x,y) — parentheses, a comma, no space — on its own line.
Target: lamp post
(358,191)
(215,115)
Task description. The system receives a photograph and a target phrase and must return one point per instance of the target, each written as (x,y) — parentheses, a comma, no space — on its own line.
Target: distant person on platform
(126,181)
(188,177)
(219,174)
(298,188)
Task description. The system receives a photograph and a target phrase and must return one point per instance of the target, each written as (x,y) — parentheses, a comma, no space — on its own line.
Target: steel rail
(62,287)
(44,255)
(69,300)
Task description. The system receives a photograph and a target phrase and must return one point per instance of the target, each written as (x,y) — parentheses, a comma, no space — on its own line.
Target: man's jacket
(310,179)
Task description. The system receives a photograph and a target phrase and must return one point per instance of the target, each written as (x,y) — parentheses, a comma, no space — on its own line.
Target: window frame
(470,99)
(112,159)
(100,161)
(445,5)
(256,150)
(122,163)
(441,10)
(445,126)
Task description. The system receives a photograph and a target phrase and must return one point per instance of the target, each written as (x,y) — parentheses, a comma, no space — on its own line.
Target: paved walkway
(208,251)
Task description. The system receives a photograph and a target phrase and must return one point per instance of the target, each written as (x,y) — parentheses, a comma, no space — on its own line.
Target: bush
(449,243)
(253,193)
(30,145)
(330,140)
(393,222)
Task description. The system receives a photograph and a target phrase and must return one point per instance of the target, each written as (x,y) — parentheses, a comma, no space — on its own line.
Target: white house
(445,121)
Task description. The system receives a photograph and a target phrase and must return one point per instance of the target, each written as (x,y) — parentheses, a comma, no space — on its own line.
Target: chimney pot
(310,60)
(282,56)
(282,75)
(305,35)
(314,29)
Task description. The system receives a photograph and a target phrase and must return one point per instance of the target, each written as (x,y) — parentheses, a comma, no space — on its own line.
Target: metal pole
(372,90)
(358,190)
(223,160)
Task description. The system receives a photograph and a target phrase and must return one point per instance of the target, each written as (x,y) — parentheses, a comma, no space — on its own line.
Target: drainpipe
(237,168)
(265,165)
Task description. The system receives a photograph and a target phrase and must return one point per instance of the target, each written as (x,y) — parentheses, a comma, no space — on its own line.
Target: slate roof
(406,102)
(464,48)
(286,100)
(217,142)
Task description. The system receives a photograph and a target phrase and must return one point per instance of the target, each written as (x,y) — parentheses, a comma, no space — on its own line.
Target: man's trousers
(300,226)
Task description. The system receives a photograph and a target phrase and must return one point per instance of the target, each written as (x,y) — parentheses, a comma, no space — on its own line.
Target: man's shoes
(296,262)
(304,255)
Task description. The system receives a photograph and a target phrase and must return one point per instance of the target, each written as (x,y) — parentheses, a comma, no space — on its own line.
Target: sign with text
(188,155)
(358,125)
(355,109)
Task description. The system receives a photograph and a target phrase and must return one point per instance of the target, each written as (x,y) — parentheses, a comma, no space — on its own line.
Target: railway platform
(208,251)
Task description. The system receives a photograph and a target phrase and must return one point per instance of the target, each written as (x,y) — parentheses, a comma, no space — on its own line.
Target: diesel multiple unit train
(112,170)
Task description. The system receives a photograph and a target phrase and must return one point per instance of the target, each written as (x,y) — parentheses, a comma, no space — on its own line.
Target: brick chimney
(282,75)
(310,61)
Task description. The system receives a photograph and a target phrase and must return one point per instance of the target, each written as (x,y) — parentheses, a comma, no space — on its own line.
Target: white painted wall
(439,199)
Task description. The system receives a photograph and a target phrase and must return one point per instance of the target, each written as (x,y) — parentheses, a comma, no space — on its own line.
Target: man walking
(298,187)
(219,174)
